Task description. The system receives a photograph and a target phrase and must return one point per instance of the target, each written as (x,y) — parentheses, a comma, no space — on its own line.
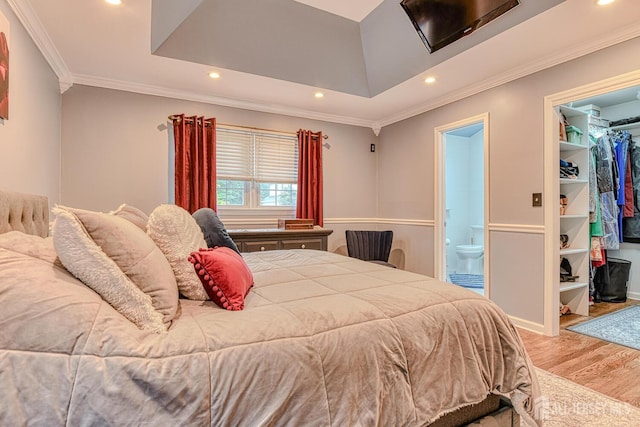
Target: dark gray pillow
(213,229)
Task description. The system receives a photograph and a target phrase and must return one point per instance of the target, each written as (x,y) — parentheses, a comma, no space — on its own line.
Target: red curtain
(195,163)
(309,204)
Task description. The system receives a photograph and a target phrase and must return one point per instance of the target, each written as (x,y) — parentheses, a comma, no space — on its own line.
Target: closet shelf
(569,286)
(574,216)
(570,146)
(573,181)
(571,251)
(626,126)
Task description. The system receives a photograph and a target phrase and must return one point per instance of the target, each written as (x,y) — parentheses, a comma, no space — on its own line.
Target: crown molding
(217,100)
(560,57)
(30,21)
(565,55)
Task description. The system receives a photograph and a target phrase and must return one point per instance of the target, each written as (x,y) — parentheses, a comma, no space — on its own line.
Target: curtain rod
(172,118)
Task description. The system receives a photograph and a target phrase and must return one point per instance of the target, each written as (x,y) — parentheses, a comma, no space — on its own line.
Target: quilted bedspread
(324,340)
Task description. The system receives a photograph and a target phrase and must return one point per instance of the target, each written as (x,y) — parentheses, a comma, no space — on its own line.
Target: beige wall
(30,139)
(515,110)
(115,148)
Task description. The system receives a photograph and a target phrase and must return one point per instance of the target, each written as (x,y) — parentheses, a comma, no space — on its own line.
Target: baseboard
(527,325)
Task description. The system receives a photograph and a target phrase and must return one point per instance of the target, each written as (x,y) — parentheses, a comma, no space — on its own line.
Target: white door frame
(440,245)
(550,201)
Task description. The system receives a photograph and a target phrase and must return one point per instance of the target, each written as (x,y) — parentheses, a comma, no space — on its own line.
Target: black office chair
(367,245)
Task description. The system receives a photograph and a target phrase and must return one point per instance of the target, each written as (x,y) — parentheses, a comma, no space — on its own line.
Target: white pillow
(177,234)
(120,262)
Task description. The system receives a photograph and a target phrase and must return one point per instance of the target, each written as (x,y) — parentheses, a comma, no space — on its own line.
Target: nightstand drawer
(267,245)
(302,244)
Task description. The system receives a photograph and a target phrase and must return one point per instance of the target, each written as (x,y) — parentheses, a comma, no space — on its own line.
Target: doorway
(617,98)
(461,199)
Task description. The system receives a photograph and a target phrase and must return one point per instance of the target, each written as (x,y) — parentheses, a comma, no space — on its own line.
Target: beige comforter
(324,340)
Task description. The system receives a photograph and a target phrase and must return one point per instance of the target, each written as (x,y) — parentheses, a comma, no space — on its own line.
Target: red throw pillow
(224,274)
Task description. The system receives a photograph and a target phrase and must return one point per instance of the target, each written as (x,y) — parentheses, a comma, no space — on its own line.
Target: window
(256,169)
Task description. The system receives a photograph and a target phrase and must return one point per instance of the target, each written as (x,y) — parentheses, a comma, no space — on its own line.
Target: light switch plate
(536,199)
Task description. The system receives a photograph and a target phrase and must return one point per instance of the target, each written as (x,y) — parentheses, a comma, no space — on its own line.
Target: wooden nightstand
(269,239)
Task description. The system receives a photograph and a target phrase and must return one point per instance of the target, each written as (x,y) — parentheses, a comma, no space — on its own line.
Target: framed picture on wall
(4,67)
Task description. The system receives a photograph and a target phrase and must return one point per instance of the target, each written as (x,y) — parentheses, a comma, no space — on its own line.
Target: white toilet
(470,256)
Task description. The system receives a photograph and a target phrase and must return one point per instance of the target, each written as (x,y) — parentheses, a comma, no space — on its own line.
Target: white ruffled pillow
(120,262)
(177,234)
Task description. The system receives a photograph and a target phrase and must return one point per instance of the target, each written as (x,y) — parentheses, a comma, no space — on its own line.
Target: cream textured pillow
(132,214)
(177,234)
(120,262)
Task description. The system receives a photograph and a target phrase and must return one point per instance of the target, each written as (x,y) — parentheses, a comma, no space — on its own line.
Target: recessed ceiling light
(430,80)
(319,95)
(214,75)
(116,2)
(604,2)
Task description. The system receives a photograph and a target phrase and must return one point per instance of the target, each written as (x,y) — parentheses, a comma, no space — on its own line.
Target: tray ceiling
(296,42)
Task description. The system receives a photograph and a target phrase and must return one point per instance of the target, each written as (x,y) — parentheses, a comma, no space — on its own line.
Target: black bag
(565,271)
(610,280)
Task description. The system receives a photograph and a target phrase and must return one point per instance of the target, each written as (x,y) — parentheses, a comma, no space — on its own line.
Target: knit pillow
(120,262)
(177,234)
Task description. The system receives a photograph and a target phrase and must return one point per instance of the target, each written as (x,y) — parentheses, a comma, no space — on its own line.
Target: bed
(323,340)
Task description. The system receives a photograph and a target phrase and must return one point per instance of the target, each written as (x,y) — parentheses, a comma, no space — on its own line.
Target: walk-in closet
(599,206)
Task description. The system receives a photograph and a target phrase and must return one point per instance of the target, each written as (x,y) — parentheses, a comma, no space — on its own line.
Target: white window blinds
(276,158)
(252,155)
(234,155)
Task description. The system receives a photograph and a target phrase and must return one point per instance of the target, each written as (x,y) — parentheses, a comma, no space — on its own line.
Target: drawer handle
(303,246)
(262,248)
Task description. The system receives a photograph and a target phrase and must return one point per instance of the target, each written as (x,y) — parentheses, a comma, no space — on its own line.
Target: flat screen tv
(441,22)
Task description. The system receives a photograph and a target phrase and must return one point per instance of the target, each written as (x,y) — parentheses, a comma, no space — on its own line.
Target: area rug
(620,327)
(467,280)
(567,404)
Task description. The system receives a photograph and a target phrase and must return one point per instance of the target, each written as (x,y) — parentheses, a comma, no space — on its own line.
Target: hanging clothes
(597,252)
(631,226)
(595,219)
(607,189)
(628,190)
(621,144)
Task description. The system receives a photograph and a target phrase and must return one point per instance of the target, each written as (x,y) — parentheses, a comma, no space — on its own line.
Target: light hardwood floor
(608,368)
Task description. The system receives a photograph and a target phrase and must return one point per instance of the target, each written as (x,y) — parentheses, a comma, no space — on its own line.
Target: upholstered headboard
(24,212)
